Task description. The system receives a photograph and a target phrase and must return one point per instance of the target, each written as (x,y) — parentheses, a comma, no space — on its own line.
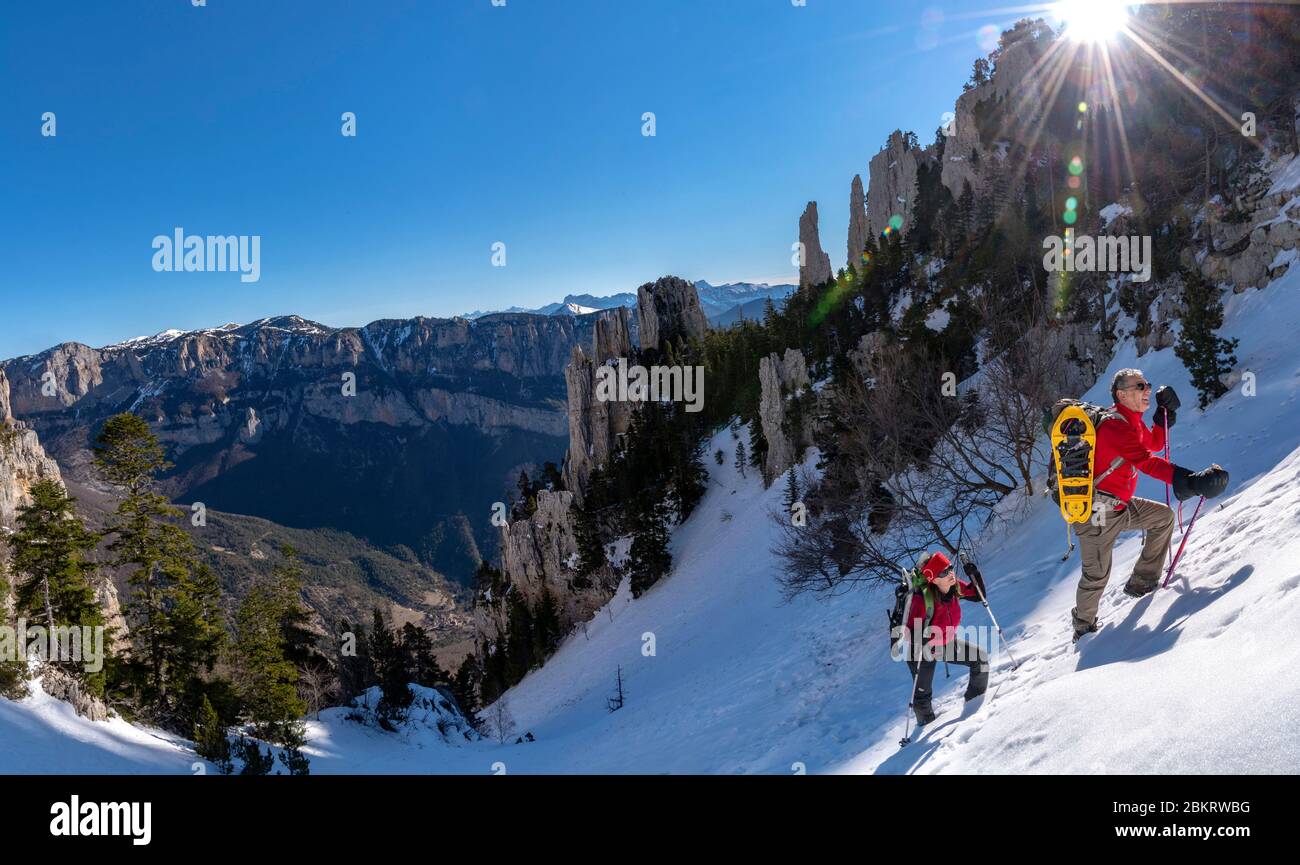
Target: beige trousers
(1096,543)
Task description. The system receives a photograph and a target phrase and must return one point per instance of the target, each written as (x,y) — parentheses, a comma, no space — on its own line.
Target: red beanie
(937,564)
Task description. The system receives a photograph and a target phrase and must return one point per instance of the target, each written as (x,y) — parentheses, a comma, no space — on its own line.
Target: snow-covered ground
(41,735)
(1199,677)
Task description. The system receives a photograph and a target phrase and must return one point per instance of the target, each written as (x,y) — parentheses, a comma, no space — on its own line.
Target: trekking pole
(902,641)
(985,601)
(911,702)
(1168,500)
(1169,455)
(1179,555)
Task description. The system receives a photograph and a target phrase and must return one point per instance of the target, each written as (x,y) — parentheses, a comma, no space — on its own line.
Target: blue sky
(475,124)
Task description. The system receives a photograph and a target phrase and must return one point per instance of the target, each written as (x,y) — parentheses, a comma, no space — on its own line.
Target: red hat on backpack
(935,566)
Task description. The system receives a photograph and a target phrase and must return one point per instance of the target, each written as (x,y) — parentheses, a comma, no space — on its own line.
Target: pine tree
(1206,356)
(195,633)
(250,754)
(172,610)
(792,494)
(356,670)
(210,741)
(390,666)
(757,442)
(13,669)
(53,587)
(591,551)
(546,625)
(648,557)
(417,647)
(265,678)
(740,458)
(292,756)
(519,637)
(300,642)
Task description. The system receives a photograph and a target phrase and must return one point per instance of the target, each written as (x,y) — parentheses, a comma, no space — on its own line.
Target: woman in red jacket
(932,623)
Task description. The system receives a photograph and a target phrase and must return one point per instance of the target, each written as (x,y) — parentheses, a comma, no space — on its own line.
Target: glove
(1167,406)
(973,571)
(1208,482)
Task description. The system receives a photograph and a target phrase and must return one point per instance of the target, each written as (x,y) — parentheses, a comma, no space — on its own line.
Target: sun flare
(1092,20)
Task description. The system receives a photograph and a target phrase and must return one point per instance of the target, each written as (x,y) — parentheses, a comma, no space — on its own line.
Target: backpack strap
(1114,464)
(927,594)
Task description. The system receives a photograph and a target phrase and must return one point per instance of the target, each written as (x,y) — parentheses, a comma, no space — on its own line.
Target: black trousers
(954,652)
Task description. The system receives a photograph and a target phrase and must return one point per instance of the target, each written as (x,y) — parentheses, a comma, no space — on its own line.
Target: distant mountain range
(723,304)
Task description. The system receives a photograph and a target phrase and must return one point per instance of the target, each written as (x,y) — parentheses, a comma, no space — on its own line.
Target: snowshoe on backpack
(1072,426)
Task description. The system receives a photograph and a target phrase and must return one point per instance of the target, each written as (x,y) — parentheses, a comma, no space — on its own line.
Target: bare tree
(500,724)
(931,459)
(315,687)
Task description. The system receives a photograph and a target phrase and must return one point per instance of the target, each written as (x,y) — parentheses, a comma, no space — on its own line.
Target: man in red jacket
(1126,446)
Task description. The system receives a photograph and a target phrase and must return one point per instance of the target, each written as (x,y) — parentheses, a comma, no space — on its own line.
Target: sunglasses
(1144,386)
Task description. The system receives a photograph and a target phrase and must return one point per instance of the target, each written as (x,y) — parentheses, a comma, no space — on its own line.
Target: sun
(1092,20)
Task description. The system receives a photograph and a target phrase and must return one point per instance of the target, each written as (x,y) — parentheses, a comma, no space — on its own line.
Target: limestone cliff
(1250,251)
(594,425)
(424,419)
(779,377)
(859,230)
(23,461)
(540,553)
(893,183)
(815,267)
(669,309)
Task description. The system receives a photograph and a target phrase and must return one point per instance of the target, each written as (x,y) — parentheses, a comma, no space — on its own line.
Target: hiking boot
(1137,588)
(923,709)
(1080,627)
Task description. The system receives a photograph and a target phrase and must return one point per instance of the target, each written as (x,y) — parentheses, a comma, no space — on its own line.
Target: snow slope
(1198,677)
(42,735)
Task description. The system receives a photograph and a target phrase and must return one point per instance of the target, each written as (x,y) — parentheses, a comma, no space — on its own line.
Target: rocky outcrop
(539,555)
(669,309)
(815,266)
(595,425)
(1014,89)
(893,183)
(1255,248)
(859,230)
(23,461)
(62,686)
(779,378)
